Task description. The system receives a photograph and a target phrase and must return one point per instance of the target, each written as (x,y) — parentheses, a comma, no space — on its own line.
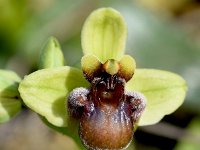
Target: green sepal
(104,34)
(51,55)
(9,107)
(10,104)
(165,92)
(45,92)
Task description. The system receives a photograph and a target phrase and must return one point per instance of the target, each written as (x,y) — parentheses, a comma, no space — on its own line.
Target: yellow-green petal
(51,55)
(10,104)
(45,92)
(91,66)
(165,92)
(127,67)
(104,34)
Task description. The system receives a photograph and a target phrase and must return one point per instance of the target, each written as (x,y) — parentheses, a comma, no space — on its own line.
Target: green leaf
(104,34)
(165,92)
(9,95)
(51,55)
(45,91)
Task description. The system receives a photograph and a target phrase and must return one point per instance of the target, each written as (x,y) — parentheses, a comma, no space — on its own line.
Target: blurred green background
(162,34)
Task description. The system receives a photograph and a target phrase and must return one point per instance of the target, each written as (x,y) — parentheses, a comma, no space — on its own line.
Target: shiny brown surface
(106,128)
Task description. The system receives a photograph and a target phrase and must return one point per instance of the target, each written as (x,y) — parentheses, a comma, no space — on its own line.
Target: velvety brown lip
(104,129)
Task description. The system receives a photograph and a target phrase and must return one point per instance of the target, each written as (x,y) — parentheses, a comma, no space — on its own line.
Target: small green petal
(45,91)
(51,55)
(127,67)
(104,34)
(165,92)
(9,95)
(90,66)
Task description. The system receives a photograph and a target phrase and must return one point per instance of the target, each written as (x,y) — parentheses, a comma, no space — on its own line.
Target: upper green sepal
(165,92)
(104,34)
(45,91)
(51,55)
(10,104)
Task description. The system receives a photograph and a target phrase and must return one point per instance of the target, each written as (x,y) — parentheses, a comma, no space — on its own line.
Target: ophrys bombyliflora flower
(109,73)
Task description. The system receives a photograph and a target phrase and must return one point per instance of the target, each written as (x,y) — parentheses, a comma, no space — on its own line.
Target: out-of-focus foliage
(190,141)
(12,17)
(163,6)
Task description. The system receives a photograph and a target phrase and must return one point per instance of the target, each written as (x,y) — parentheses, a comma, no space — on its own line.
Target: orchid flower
(109,97)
